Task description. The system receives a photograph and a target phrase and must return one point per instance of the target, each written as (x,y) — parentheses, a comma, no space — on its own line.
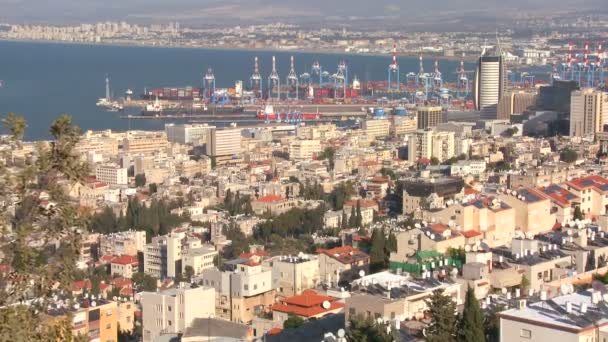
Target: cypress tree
(352,220)
(443,321)
(359,217)
(377,253)
(344,223)
(470,326)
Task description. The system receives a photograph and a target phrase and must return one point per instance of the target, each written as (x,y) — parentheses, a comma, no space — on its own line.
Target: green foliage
(568,155)
(184,180)
(391,244)
(237,204)
(492,324)
(377,254)
(453,160)
(239,244)
(359,218)
(525,283)
(328,153)
(434,161)
(155,219)
(456,253)
(367,330)
(470,325)
(578,214)
(140,180)
(144,281)
(340,195)
(443,320)
(601,277)
(311,191)
(292,223)
(188,273)
(293,322)
(386,172)
(48,222)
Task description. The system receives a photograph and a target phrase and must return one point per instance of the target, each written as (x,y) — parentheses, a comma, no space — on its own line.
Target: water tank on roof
(379,112)
(400,111)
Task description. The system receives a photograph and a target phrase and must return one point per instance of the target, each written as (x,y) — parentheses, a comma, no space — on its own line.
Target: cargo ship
(193,108)
(268,113)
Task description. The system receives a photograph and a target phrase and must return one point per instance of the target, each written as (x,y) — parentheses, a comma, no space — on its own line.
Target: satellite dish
(362,273)
(467,248)
(326,305)
(341,333)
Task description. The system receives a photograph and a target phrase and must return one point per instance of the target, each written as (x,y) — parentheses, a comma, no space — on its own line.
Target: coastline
(236,49)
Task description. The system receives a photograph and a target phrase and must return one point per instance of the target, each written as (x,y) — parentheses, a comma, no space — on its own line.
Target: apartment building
(199,259)
(122,243)
(402,125)
(96,319)
(112,174)
(225,144)
(171,311)
(430,193)
(377,128)
(341,264)
(243,290)
(304,149)
(293,274)
(308,305)
(593,194)
(574,317)
(533,210)
(426,144)
(316,132)
(563,202)
(429,116)
(144,142)
(163,256)
(273,204)
(588,112)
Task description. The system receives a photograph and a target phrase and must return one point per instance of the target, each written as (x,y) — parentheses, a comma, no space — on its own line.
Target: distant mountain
(250,11)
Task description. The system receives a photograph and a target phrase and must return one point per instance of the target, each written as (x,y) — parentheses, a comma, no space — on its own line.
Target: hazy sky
(203,10)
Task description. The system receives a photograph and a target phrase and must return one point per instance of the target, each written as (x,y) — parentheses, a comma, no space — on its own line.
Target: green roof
(423,255)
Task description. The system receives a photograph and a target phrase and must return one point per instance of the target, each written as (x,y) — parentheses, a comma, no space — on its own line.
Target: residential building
(111,174)
(225,144)
(430,193)
(211,329)
(304,149)
(515,102)
(173,310)
(402,125)
(533,210)
(273,204)
(429,116)
(341,264)
(293,274)
(144,142)
(95,319)
(377,128)
(593,194)
(574,317)
(124,266)
(588,112)
(199,259)
(426,144)
(244,290)
(128,242)
(163,255)
(307,305)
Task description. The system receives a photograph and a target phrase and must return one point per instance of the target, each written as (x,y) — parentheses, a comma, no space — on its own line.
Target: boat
(153,107)
(107,102)
(268,113)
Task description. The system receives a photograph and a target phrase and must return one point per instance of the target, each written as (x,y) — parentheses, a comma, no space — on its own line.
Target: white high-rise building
(111,174)
(588,112)
(425,144)
(490,82)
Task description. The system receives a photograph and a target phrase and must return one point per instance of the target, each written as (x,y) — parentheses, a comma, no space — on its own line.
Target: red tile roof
(307,304)
(439,228)
(593,181)
(260,254)
(471,191)
(270,199)
(345,254)
(470,233)
(251,263)
(125,260)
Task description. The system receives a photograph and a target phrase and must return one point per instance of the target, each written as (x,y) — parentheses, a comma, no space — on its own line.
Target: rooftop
(345,254)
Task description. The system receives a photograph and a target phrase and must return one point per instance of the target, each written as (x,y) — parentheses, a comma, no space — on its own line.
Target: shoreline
(237,49)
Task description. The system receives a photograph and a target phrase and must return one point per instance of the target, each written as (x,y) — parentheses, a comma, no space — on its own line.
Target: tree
(568,155)
(359,221)
(434,161)
(377,253)
(391,244)
(443,320)
(492,324)
(49,222)
(152,188)
(578,214)
(367,330)
(344,221)
(352,220)
(525,283)
(140,180)
(188,273)
(293,322)
(144,281)
(471,325)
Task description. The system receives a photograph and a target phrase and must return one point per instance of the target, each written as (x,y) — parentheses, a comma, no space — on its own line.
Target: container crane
(393,73)
(274,81)
(209,84)
(292,82)
(256,80)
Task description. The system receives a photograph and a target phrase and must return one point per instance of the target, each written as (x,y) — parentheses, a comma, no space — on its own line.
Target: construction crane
(463,81)
(292,82)
(393,73)
(274,81)
(209,84)
(256,80)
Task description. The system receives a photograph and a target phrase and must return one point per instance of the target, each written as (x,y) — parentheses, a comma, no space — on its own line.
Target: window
(246,287)
(352,311)
(525,333)
(169,323)
(109,326)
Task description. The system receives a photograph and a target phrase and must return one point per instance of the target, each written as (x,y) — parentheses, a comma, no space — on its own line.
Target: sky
(202,11)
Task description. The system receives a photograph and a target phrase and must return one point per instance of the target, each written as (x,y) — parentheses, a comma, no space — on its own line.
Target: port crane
(293,82)
(393,73)
(256,80)
(274,81)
